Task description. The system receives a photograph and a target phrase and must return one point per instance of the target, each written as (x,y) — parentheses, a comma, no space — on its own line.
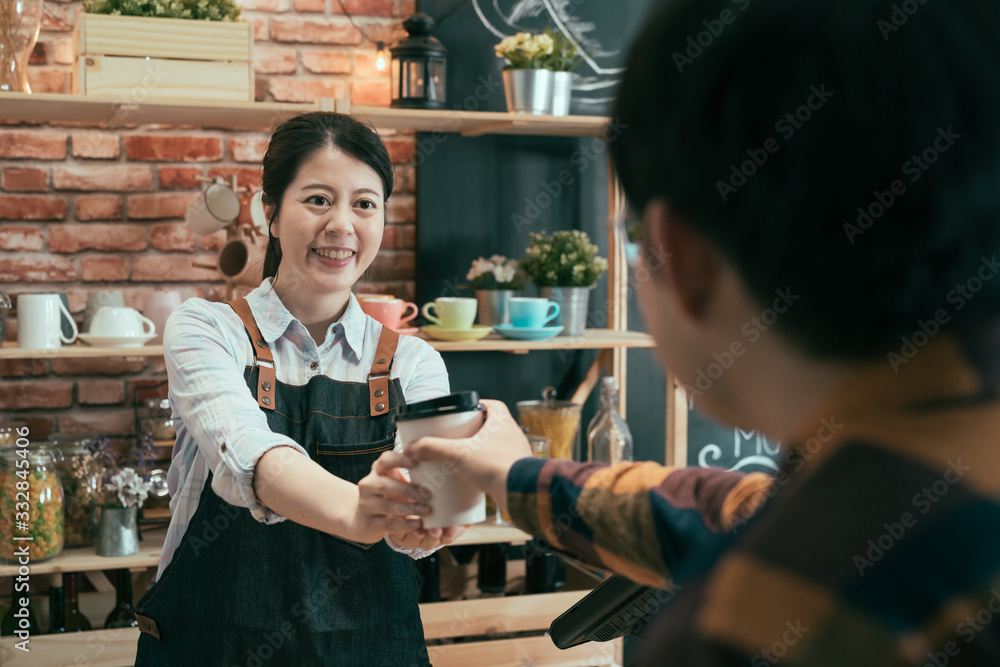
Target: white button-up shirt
(207,350)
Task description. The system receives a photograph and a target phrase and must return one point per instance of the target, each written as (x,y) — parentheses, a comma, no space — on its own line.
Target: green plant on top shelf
(548,50)
(563,259)
(198,10)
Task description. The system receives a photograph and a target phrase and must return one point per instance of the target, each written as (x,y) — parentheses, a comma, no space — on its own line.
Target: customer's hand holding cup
(451,420)
(481,460)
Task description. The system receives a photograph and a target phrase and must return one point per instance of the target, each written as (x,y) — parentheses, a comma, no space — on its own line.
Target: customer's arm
(637,519)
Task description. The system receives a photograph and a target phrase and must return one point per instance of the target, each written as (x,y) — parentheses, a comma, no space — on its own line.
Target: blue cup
(531,313)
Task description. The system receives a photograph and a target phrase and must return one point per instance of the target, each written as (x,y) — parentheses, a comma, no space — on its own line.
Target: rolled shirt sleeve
(216,408)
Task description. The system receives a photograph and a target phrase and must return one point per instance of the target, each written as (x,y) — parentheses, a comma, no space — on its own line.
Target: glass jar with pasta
(31,497)
(559,421)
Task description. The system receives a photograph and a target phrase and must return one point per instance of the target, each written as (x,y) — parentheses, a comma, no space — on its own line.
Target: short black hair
(848,150)
(296,140)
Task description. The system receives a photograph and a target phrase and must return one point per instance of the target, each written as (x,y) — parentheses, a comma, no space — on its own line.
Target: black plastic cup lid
(462,401)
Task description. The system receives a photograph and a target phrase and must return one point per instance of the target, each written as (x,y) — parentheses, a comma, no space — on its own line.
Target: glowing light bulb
(380,57)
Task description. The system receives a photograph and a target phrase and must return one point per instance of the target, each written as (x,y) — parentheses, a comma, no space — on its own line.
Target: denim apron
(241,592)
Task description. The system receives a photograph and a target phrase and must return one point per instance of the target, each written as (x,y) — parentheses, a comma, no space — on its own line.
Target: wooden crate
(137,58)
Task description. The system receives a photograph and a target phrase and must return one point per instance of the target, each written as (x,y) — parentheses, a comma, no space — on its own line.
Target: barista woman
(275,552)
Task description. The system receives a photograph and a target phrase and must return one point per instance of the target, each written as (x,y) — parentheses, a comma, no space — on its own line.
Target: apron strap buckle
(378,377)
(148,625)
(266,378)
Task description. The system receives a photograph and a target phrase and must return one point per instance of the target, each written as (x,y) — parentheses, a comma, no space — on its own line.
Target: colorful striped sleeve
(636,519)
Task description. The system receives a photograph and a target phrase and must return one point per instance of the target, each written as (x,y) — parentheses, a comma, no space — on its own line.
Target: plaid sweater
(877,543)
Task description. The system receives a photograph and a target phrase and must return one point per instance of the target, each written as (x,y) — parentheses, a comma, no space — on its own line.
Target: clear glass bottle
(31,503)
(123,615)
(608,437)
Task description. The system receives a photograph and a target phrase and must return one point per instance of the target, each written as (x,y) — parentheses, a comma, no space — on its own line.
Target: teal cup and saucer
(529,319)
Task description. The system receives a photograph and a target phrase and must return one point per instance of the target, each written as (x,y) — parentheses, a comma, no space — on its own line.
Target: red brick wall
(83,208)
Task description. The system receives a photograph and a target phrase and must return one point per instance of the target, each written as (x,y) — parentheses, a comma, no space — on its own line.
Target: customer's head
(847,151)
(326,180)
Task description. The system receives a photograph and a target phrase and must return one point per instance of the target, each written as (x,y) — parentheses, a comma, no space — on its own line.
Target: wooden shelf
(10,350)
(593,339)
(86,559)
(112,113)
(441,620)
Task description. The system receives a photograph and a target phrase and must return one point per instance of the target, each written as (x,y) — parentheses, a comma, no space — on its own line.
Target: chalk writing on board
(601,51)
(748,448)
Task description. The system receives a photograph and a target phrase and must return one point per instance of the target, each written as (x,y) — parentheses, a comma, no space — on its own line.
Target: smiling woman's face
(330,223)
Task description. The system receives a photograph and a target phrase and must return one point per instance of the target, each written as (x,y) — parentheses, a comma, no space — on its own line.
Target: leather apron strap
(378,377)
(263,358)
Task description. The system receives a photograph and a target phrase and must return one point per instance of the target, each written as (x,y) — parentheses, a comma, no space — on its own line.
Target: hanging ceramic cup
(217,207)
(242,261)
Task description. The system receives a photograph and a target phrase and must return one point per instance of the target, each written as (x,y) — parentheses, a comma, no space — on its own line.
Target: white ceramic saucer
(116,341)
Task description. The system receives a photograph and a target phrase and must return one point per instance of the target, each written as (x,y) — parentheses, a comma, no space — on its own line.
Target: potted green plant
(566,266)
(538,76)
(495,281)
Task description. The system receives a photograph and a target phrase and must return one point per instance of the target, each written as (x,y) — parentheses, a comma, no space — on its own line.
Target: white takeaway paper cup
(453,501)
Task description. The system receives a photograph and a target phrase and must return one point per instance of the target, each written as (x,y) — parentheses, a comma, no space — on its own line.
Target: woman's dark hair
(298,138)
(847,151)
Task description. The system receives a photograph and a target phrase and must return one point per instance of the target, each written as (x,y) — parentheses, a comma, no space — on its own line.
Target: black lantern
(418,67)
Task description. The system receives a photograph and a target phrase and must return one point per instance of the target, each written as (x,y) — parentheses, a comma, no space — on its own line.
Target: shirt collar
(273,319)
(271,315)
(354,323)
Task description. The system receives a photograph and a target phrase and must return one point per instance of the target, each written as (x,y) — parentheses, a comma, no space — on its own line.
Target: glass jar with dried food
(80,472)
(31,500)
(156,419)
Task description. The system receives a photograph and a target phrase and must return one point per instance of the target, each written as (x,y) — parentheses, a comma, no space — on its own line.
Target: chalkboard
(602,32)
(711,444)
(469,189)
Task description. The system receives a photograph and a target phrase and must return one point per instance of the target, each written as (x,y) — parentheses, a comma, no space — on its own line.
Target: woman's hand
(387,504)
(485,458)
(428,538)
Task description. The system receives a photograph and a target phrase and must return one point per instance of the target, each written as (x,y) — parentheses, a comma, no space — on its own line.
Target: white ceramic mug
(96,300)
(39,322)
(112,321)
(216,208)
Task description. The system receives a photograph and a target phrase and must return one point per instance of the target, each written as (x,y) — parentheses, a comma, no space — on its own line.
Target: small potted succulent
(538,76)
(565,265)
(495,281)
